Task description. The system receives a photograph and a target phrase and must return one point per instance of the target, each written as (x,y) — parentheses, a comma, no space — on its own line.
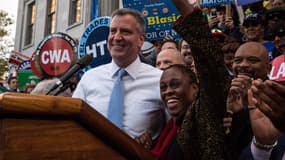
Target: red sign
(56,53)
(35,66)
(278,68)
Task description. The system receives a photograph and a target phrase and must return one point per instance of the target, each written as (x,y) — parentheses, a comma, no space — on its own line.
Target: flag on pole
(94,9)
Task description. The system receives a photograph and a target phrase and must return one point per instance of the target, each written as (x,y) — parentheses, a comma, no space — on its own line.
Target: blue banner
(25,65)
(208,3)
(94,42)
(245,2)
(159,17)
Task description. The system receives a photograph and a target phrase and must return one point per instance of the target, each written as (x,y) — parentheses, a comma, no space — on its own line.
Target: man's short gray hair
(141,26)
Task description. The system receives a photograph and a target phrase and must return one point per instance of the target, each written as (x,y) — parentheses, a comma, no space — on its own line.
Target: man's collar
(132,69)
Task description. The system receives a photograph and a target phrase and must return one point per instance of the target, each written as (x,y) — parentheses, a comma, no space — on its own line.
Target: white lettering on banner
(280,72)
(160,34)
(211,2)
(151,35)
(65,56)
(55,56)
(93,48)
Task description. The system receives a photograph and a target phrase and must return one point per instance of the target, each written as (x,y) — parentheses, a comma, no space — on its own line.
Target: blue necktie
(116,104)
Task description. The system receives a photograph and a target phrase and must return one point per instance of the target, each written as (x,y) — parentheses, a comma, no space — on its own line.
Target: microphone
(82,63)
(63,88)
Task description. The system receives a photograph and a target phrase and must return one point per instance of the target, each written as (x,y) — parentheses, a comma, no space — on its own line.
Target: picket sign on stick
(228,10)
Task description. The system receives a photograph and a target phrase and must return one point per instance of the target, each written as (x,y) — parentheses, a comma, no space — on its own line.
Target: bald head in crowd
(252,59)
(168,57)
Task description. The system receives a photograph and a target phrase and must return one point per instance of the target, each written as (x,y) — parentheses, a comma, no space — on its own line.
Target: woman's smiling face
(175,90)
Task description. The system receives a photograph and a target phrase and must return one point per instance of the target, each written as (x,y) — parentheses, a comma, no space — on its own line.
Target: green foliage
(3,67)
(5,21)
(5,43)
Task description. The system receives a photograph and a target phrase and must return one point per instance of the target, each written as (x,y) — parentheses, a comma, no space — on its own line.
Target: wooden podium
(36,127)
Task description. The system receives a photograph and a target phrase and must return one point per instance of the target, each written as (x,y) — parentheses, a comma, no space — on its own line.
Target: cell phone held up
(213,13)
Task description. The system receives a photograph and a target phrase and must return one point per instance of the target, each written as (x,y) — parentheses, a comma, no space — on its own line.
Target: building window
(75,11)
(30,23)
(51,17)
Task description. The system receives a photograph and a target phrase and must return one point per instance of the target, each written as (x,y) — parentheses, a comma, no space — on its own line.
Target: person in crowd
(229,48)
(268,96)
(29,88)
(168,57)
(274,19)
(213,19)
(224,20)
(141,104)
(219,20)
(253,26)
(279,37)
(268,142)
(148,54)
(201,135)
(251,61)
(258,68)
(274,15)
(157,45)
(44,86)
(169,44)
(178,89)
(157,48)
(277,3)
(187,54)
(13,84)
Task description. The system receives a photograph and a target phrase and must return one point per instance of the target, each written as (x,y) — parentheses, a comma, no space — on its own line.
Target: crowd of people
(207,96)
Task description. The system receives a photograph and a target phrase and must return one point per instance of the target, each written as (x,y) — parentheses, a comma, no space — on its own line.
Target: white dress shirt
(259,154)
(143,108)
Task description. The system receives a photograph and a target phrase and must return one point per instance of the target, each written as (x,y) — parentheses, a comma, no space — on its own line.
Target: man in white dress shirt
(143,108)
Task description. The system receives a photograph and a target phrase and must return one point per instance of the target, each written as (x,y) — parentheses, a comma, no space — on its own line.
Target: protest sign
(159,17)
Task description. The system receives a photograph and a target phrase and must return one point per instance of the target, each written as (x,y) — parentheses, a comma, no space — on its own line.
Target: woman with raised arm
(201,135)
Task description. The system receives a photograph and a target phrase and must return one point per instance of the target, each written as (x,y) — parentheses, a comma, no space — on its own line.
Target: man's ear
(141,40)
